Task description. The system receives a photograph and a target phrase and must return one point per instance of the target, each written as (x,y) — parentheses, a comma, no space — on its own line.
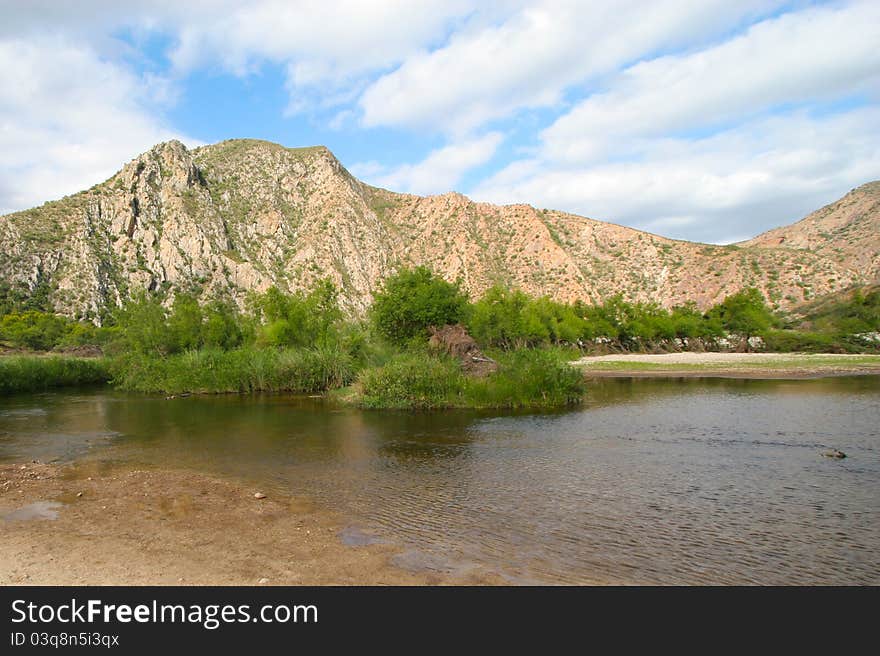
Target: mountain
(847,231)
(241,215)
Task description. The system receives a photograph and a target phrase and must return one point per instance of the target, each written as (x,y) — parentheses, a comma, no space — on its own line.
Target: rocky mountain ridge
(238,216)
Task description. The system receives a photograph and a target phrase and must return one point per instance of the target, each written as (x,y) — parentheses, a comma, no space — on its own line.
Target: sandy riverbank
(730,365)
(135,527)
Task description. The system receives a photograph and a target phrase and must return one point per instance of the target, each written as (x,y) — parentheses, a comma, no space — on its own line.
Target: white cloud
(439,172)
(809,55)
(667,107)
(722,141)
(533,56)
(739,182)
(326,47)
(68,119)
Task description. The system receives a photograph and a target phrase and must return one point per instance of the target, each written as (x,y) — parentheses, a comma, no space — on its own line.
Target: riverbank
(728,365)
(85,524)
(39,372)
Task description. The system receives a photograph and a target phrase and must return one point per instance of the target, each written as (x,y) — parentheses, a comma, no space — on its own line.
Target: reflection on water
(653,481)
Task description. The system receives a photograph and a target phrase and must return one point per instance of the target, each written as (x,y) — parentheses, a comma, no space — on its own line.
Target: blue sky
(710,121)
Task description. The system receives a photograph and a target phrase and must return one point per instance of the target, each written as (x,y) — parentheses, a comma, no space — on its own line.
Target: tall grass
(413,380)
(525,379)
(238,370)
(23,373)
(528,378)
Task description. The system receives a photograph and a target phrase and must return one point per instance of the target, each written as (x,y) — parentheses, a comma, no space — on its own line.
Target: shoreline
(728,365)
(124,526)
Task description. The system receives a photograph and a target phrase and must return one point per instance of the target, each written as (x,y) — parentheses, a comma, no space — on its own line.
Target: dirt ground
(738,365)
(136,527)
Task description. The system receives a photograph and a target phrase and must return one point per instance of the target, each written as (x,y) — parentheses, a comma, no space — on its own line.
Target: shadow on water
(652,480)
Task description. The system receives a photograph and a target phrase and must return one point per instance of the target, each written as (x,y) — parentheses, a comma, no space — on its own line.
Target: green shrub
(525,379)
(312,319)
(744,313)
(246,369)
(790,341)
(36,373)
(414,299)
(528,378)
(413,381)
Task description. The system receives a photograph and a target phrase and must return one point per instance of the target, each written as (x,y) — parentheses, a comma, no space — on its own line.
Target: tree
(184,324)
(295,319)
(222,327)
(745,314)
(142,325)
(414,299)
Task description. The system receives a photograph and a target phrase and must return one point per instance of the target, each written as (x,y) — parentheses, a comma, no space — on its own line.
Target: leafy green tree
(689,322)
(745,314)
(223,326)
(142,326)
(184,324)
(497,319)
(298,319)
(31,329)
(414,299)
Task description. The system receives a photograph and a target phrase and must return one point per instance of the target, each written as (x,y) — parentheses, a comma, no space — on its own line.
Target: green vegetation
(414,299)
(246,369)
(852,313)
(29,373)
(745,314)
(525,379)
(302,342)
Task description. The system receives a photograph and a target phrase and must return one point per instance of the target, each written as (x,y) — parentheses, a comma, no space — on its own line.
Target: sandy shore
(135,527)
(733,365)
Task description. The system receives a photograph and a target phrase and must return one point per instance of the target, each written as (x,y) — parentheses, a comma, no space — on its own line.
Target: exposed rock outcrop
(238,216)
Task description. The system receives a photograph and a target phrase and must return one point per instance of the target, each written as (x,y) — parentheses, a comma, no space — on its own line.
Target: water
(653,481)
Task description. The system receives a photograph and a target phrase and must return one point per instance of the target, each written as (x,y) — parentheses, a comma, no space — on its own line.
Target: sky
(706,120)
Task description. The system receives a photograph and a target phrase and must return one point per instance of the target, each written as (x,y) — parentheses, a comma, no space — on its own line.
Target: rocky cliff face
(241,215)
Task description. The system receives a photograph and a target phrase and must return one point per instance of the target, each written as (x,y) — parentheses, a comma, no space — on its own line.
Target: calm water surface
(652,481)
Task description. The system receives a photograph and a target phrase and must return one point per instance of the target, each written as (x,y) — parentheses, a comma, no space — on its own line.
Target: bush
(788,341)
(36,373)
(525,379)
(528,378)
(39,331)
(744,313)
(510,319)
(414,299)
(413,381)
(238,370)
(312,319)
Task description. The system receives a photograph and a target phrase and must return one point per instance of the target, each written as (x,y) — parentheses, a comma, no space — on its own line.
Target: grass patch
(237,370)
(33,373)
(525,379)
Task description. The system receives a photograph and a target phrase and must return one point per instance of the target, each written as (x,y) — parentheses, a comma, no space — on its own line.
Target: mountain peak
(225,219)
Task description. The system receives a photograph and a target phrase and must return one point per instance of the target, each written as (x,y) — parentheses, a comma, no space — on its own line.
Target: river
(654,481)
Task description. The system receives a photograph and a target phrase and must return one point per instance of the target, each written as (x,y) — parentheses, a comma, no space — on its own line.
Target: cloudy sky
(708,120)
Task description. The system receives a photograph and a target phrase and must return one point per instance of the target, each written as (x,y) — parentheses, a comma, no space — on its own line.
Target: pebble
(79,494)
(259,495)
(263,581)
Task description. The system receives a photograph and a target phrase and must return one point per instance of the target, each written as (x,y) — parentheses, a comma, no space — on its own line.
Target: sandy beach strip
(733,365)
